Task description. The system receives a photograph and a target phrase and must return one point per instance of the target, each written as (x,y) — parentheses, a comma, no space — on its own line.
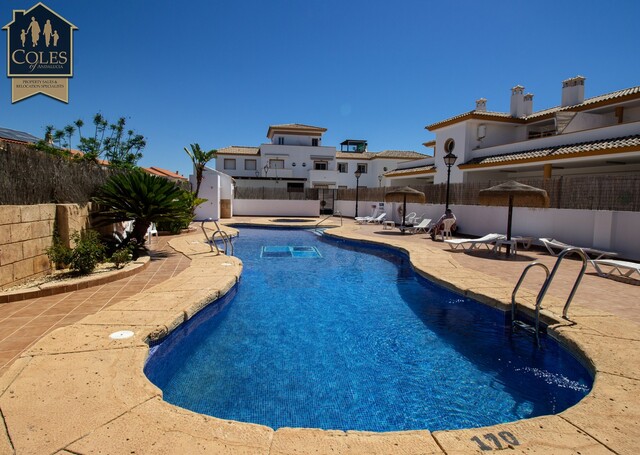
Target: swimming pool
(346,336)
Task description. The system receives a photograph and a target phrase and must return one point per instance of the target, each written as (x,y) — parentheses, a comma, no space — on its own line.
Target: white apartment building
(599,135)
(294,158)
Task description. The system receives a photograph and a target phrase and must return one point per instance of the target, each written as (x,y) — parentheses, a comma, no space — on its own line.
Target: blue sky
(220,72)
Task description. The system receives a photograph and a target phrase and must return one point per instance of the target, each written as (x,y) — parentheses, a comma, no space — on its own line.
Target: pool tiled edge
(78,390)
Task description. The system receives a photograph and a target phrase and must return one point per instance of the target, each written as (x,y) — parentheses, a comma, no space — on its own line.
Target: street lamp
(449,160)
(357,174)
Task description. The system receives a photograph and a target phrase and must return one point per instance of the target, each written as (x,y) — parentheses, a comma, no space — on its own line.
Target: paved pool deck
(74,390)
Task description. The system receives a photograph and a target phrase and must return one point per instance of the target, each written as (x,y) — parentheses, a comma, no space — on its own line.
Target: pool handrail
(545,288)
(337,212)
(226,239)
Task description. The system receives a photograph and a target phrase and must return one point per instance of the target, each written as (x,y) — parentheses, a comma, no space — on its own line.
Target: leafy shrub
(58,253)
(123,255)
(173,227)
(87,253)
(189,202)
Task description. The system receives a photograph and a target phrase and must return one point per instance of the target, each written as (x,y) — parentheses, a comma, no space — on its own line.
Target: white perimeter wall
(606,230)
(252,207)
(209,190)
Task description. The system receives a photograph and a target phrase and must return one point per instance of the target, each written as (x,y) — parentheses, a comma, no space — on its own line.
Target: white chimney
(528,104)
(481,105)
(517,101)
(573,91)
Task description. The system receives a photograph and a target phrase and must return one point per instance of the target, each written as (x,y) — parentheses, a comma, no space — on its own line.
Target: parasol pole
(404,210)
(509,224)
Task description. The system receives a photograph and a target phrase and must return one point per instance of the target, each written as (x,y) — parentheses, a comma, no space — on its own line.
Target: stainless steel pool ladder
(535,329)
(337,212)
(226,239)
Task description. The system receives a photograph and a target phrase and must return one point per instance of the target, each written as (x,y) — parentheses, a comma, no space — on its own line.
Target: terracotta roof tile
(164,173)
(632,91)
(297,126)
(239,150)
(402,154)
(596,99)
(560,150)
(475,114)
(354,155)
(411,171)
(101,162)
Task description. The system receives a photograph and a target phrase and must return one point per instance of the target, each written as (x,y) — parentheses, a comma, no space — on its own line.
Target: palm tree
(199,159)
(58,136)
(144,198)
(79,124)
(68,131)
(48,134)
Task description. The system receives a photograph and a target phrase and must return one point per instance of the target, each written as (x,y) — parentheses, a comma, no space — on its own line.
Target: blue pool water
(346,336)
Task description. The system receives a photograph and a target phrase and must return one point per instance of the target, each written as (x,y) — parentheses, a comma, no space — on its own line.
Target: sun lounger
(624,269)
(409,219)
(379,219)
(370,219)
(473,244)
(552,245)
(423,226)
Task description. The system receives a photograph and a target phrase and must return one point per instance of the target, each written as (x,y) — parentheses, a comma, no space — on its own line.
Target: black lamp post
(357,174)
(449,160)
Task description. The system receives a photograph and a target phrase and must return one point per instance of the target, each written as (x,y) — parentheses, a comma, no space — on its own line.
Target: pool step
(524,326)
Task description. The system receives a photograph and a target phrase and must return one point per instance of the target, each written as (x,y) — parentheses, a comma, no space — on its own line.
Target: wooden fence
(606,192)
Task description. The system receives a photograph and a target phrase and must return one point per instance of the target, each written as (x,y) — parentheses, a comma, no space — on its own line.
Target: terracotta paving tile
(6,356)
(47,321)
(29,331)
(32,309)
(23,322)
(16,322)
(7,332)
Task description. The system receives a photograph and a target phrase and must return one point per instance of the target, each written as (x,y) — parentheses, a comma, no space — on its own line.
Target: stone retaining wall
(27,230)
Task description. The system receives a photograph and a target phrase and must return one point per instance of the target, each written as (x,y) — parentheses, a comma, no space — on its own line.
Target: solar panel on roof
(14,135)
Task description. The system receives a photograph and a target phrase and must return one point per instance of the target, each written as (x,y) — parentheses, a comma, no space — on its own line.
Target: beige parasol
(512,194)
(403,195)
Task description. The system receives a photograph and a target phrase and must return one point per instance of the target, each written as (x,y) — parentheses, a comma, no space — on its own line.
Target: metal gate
(327,198)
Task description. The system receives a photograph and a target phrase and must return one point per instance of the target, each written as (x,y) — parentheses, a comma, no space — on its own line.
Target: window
(295,187)
(343,168)
(250,165)
(320,165)
(276,164)
(314,142)
(230,163)
(362,167)
(280,140)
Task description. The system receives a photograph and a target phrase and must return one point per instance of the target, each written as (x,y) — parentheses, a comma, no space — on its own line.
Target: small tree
(121,147)
(199,158)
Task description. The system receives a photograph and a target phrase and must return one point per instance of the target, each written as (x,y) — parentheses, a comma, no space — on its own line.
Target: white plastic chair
(151,231)
(445,233)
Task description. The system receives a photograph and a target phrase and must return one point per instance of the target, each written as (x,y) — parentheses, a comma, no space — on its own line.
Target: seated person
(438,225)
